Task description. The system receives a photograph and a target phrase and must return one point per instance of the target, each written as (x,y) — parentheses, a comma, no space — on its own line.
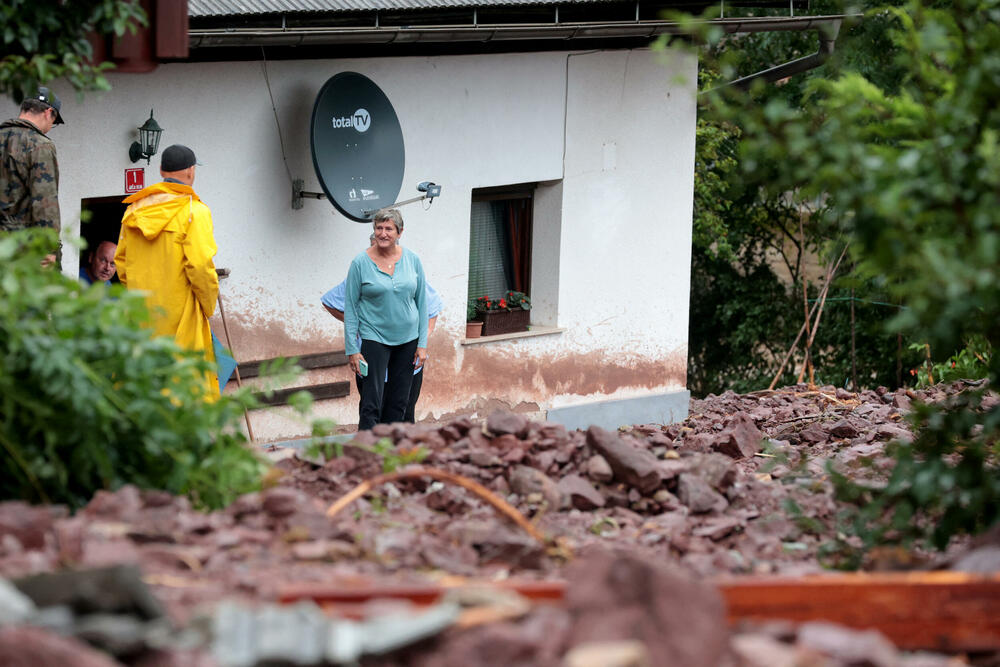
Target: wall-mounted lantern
(149,140)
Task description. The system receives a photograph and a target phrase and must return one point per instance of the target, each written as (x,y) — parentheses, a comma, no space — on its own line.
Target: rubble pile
(712,495)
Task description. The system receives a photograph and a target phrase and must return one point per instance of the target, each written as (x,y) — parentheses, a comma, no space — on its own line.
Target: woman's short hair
(392,214)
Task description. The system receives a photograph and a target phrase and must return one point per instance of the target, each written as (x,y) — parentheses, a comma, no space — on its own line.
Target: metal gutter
(827,42)
(376,34)
(232,8)
(827,33)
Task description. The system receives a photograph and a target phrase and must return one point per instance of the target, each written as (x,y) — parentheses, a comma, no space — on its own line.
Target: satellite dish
(357,146)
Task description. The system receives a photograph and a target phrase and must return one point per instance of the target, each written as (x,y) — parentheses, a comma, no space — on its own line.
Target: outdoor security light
(432,189)
(149,140)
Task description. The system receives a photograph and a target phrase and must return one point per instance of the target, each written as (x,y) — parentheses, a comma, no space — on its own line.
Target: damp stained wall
(608,136)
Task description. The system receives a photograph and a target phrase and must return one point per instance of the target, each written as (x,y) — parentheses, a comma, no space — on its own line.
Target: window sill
(534,331)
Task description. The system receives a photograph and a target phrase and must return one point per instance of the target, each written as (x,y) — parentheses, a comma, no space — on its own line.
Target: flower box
(496,322)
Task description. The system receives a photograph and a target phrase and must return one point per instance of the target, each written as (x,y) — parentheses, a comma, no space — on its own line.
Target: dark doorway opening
(100,221)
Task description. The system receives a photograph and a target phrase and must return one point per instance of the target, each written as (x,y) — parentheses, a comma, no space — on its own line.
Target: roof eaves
(221,8)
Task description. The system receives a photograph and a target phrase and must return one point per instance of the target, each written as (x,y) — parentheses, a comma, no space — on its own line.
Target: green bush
(909,169)
(44,41)
(972,362)
(91,401)
(743,315)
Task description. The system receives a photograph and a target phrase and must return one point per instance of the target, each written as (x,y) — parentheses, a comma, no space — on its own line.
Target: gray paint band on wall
(659,409)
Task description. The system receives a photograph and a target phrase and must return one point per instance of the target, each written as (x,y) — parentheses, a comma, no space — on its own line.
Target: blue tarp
(225,362)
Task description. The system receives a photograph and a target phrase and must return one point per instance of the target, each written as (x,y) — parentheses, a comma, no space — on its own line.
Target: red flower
(503,304)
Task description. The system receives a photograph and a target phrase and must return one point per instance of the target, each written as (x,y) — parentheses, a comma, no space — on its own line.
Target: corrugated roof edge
(212,8)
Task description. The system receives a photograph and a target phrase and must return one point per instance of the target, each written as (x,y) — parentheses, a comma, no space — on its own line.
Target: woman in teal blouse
(386,307)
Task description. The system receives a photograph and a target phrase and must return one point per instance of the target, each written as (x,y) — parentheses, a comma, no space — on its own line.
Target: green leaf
(89,400)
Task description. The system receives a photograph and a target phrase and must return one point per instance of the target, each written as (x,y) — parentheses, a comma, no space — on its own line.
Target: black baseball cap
(177,158)
(50,98)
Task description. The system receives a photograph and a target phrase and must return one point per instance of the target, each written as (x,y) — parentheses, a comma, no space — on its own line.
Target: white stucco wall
(608,135)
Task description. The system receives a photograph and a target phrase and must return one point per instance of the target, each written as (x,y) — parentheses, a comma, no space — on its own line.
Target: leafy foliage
(909,169)
(714,162)
(912,176)
(45,40)
(755,247)
(393,458)
(970,363)
(741,318)
(748,262)
(90,401)
(510,301)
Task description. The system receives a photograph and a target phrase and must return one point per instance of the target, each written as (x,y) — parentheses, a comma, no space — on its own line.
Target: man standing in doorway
(166,248)
(29,170)
(99,264)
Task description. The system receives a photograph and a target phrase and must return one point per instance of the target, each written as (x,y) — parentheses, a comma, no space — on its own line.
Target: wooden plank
(251,369)
(171,24)
(941,611)
(319,392)
(352,599)
(358,591)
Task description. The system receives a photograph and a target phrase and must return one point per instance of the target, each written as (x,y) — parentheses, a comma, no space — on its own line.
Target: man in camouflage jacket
(29,170)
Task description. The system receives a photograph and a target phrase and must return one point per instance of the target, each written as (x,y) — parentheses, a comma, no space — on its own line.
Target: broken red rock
(740,439)
(502,422)
(28,525)
(525,481)
(698,495)
(22,646)
(843,429)
(618,595)
(598,469)
(740,527)
(636,467)
(282,501)
(580,493)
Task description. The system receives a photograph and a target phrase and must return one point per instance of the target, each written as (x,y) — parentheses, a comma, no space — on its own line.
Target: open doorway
(100,222)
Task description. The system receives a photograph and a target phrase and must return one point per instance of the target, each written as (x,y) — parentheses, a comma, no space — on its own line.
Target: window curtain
(489,251)
(518,235)
(499,247)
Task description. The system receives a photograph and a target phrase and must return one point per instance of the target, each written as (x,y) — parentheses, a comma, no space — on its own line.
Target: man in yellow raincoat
(166,247)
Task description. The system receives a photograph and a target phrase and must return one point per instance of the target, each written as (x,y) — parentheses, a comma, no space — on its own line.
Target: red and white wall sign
(135,179)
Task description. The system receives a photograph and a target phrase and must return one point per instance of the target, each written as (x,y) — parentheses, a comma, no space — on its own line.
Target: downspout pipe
(827,33)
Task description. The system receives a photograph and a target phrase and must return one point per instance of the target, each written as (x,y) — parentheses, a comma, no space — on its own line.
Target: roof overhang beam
(376,34)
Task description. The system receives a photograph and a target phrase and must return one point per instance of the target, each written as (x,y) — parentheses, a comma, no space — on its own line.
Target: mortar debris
(636,516)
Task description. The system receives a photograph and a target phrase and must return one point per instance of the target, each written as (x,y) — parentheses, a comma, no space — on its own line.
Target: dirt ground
(637,522)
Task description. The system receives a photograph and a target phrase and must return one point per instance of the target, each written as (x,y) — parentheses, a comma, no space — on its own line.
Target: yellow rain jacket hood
(166,248)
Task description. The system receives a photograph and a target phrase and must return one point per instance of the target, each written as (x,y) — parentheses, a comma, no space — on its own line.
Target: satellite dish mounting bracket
(429,188)
(298,194)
